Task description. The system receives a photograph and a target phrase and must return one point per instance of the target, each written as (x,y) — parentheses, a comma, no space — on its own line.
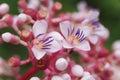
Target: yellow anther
(72,39)
(36,41)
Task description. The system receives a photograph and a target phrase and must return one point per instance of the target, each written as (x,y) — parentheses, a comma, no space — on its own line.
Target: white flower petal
(66,44)
(93,39)
(116,45)
(64,27)
(38,53)
(57,36)
(102,31)
(54,47)
(83,46)
(39,27)
(93,14)
(82,6)
(86,30)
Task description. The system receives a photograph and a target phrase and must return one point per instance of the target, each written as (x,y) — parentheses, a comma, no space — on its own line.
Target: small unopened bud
(77,70)
(4,8)
(34,78)
(26,35)
(41,14)
(44,2)
(65,16)
(22,4)
(66,76)
(8,19)
(10,38)
(2,24)
(56,21)
(116,54)
(56,78)
(14,61)
(30,12)
(57,6)
(23,17)
(116,45)
(88,77)
(61,64)
(103,52)
(99,67)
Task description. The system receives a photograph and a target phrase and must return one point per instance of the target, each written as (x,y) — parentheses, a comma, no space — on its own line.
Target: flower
(74,37)
(43,42)
(94,31)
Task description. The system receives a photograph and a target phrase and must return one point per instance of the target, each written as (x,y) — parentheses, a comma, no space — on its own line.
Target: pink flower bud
(10,38)
(56,78)
(2,24)
(14,61)
(57,6)
(66,76)
(8,19)
(26,35)
(44,2)
(41,14)
(4,8)
(30,12)
(77,70)
(22,4)
(34,78)
(61,64)
(56,21)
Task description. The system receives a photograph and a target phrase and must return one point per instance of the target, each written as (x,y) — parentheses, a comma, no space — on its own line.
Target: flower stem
(29,73)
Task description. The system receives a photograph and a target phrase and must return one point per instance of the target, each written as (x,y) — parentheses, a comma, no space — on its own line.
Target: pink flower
(43,43)
(74,37)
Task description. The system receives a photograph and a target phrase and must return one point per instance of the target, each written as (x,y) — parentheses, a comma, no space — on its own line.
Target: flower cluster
(53,39)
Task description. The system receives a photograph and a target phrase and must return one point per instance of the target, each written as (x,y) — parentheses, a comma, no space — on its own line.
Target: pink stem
(25,61)
(29,73)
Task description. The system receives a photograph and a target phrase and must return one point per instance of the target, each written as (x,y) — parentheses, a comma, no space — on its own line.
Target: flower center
(44,43)
(76,37)
(72,39)
(39,45)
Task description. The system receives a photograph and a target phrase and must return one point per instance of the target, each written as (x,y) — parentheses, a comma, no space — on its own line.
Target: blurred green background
(109,17)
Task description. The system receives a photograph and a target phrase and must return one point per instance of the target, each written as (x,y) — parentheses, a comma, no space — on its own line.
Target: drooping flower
(74,37)
(43,42)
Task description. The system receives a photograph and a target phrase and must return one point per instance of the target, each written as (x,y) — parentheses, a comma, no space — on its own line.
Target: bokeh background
(109,17)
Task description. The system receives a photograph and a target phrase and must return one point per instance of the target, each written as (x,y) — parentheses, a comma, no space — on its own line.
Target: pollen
(73,39)
(35,41)
(90,25)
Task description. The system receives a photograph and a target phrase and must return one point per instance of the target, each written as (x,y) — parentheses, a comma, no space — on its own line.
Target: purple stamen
(79,34)
(49,41)
(96,24)
(68,31)
(39,35)
(82,39)
(47,45)
(46,39)
(45,48)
